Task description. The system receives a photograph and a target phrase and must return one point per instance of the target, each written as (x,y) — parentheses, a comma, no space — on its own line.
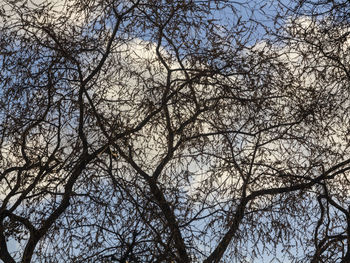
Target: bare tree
(169,131)
(314,38)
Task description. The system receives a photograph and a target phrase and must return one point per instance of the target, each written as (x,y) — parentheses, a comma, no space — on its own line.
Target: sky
(140,54)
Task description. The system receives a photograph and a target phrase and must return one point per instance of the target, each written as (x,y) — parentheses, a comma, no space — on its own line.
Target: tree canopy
(174,131)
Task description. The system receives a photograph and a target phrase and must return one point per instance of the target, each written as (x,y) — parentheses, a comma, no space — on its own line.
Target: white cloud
(43,11)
